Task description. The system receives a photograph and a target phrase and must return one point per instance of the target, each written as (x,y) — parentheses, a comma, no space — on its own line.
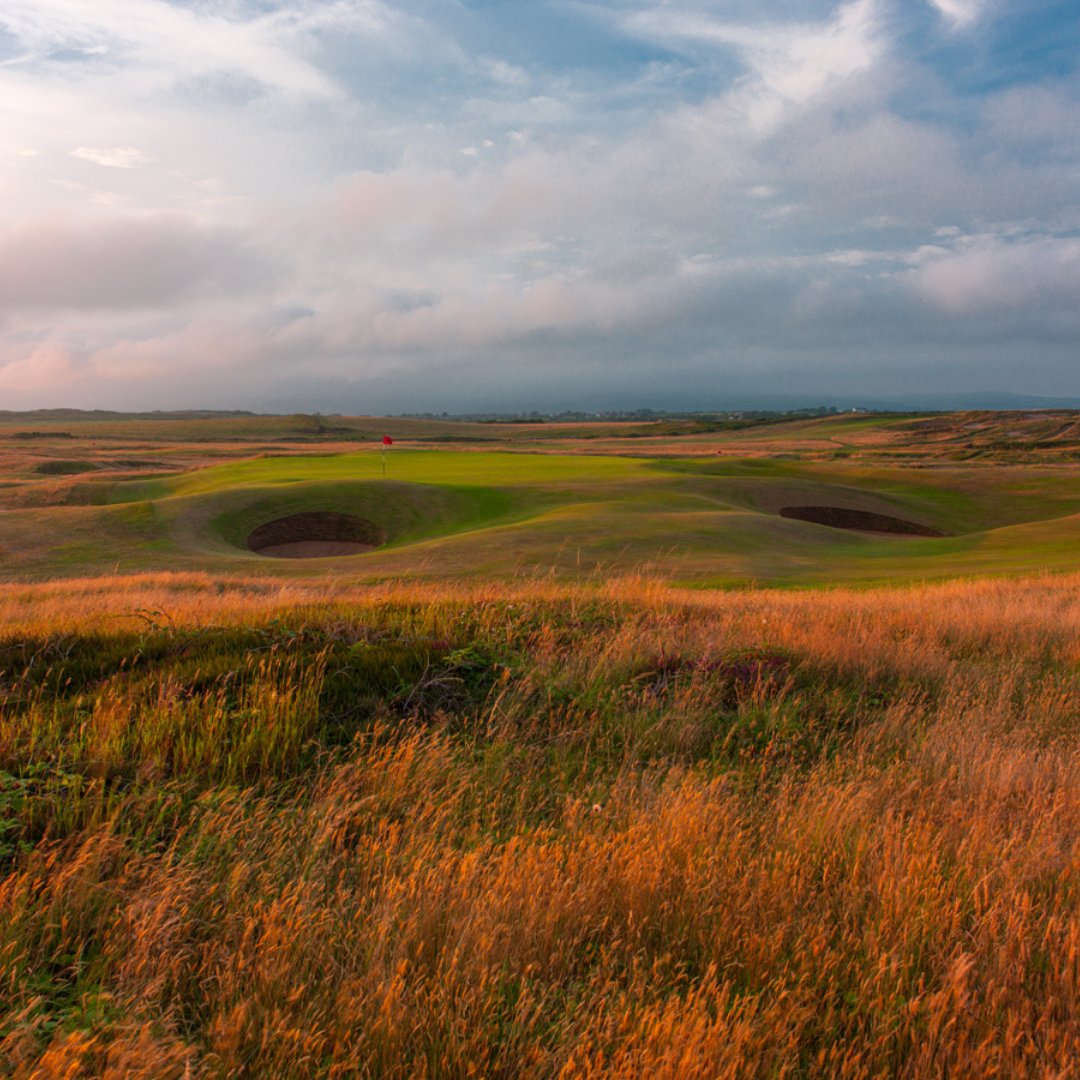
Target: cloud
(171,39)
(40,368)
(996,275)
(789,63)
(821,321)
(122,264)
(1042,119)
(960,13)
(112,157)
(630,196)
(444,211)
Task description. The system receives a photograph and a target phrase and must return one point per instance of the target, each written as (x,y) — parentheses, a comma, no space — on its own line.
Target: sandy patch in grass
(315,549)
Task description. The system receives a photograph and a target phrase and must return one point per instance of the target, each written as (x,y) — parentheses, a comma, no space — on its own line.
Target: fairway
(714,515)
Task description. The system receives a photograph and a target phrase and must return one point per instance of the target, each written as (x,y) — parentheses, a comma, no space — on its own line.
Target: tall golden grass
(608,830)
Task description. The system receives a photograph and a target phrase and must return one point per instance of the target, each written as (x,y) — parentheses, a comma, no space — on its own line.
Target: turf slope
(468,514)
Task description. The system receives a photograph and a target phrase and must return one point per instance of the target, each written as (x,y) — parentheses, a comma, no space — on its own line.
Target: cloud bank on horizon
(358,205)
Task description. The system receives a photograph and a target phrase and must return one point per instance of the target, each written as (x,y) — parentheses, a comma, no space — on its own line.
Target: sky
(464,205)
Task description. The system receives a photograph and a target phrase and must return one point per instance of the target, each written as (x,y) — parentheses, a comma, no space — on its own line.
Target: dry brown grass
(661,834)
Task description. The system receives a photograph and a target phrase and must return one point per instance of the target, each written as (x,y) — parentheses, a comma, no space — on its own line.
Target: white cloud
(172,41)
(112,157)
(790,63)
(960,13)
(993,275)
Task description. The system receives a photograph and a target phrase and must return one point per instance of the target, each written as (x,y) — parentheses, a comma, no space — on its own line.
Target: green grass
(412,466)
(699,521)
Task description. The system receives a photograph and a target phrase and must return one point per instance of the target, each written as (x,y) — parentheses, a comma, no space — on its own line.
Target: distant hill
(915,402)
(742,402)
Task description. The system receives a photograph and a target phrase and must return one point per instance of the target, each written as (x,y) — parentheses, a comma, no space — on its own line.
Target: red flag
(387,441)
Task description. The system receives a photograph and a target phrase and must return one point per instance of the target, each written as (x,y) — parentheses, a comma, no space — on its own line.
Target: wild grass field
(291,818)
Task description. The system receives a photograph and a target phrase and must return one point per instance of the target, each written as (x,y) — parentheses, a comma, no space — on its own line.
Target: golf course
(719,513)
(674,748)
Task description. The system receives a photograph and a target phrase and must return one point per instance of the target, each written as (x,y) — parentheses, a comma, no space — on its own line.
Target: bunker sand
(315,549)
(315,534)
(838,517)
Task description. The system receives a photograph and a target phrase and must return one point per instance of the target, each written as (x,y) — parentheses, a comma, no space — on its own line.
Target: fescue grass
(255,828)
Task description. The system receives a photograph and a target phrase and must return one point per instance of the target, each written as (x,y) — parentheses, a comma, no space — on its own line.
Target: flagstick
(384,461)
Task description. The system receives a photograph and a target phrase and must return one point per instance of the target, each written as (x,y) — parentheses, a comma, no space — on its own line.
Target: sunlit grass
(266,829)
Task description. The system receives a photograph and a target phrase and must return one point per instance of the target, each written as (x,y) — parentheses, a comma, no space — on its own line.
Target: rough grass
(254,829)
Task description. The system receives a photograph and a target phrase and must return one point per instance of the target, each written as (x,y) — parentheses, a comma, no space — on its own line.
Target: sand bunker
(316,534)
(838,517)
